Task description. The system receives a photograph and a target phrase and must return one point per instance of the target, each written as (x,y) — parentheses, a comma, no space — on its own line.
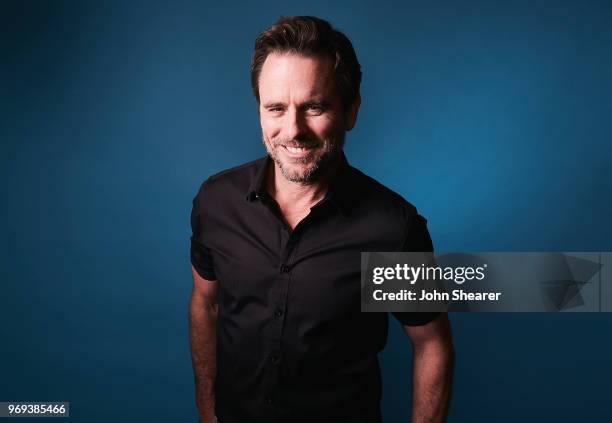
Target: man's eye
(315,108)
(275,109)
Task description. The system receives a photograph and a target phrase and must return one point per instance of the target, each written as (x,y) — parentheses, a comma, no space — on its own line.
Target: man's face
(301,115)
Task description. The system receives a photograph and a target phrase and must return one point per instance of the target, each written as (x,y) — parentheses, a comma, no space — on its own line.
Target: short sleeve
(417,240)
(201,257)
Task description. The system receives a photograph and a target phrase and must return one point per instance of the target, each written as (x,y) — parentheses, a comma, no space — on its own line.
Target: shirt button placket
(284,277)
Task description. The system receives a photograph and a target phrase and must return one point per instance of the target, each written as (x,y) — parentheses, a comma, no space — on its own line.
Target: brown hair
(310,36)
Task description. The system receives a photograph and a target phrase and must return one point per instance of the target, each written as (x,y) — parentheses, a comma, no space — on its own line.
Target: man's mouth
(301,151)
(296,150)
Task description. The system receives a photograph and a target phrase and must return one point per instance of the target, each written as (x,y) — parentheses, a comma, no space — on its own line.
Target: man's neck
(295,195)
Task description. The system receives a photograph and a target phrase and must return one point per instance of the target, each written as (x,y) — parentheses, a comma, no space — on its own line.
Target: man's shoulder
(378,196)
(236,179)
(388,214)
(241,171)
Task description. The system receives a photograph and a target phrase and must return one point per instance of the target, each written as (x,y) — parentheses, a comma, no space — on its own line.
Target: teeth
(295,150)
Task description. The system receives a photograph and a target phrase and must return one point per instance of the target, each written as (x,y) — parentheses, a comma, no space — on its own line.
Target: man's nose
(295,127)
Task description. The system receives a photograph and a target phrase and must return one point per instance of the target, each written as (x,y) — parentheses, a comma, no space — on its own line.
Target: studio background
(493,118)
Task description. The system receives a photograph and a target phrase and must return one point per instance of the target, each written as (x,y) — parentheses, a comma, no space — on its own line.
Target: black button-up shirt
(293,345)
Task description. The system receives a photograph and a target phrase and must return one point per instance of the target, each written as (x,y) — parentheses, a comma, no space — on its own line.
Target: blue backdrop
(493,118)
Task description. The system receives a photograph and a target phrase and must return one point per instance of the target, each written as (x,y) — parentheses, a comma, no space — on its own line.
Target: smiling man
(275,324)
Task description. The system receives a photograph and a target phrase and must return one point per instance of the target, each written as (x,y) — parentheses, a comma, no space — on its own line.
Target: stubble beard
(319,163)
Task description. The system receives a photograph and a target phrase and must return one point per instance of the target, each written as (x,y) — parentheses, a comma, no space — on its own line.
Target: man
(276,329)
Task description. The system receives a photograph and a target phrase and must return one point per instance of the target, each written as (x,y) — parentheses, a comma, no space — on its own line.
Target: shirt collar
(338,192)
(256,188)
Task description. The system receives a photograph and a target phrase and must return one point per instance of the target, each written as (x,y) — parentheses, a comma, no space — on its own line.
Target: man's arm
(432,369)
(203,339)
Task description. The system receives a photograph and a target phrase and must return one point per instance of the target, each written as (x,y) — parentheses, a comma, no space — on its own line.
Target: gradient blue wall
(494,118)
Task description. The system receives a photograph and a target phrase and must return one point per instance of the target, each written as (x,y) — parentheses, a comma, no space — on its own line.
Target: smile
(295,150)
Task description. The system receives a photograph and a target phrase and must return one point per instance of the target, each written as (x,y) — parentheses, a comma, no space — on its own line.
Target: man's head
(305,77)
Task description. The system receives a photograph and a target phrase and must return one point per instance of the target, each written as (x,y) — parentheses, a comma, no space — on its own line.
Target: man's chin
(297,173)
(307,172)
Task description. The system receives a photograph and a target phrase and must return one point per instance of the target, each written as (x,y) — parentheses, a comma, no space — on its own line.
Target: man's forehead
(312,76)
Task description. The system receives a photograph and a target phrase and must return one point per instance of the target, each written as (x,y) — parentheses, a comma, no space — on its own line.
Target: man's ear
(351,114)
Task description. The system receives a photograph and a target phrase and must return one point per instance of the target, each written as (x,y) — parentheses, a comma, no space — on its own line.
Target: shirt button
(278,312)
(268,400)
(285,268)
(274,359)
